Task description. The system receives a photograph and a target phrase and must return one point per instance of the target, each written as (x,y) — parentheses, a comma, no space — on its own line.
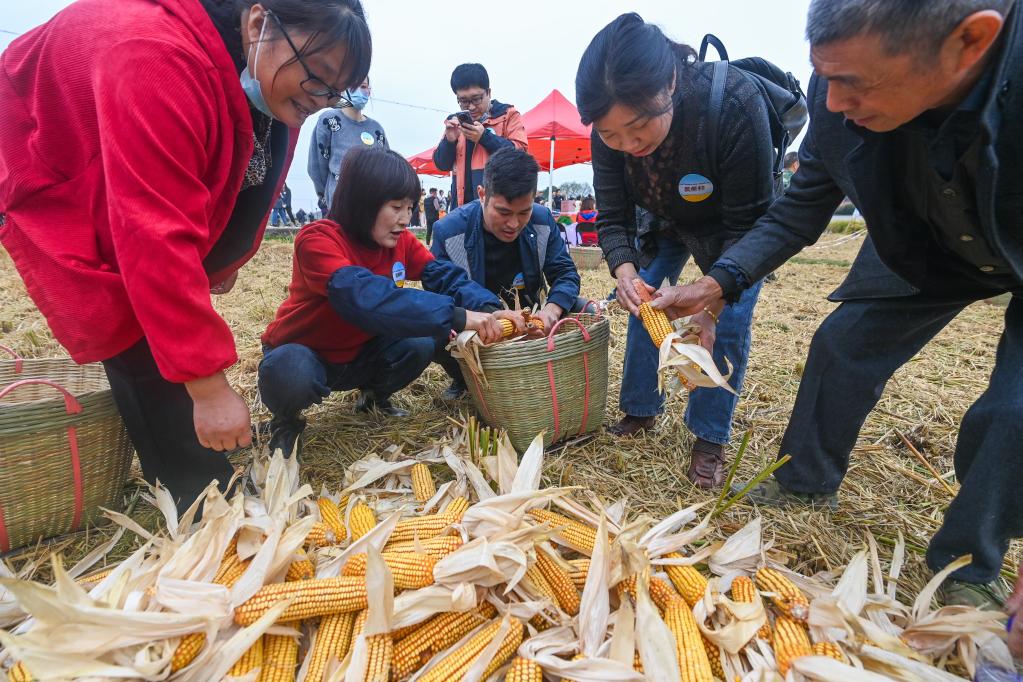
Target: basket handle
(586,376)
(596,306)
(19,362)
(72,406)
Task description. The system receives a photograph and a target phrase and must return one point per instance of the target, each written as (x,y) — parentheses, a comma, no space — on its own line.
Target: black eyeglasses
(313,85)
(473,101)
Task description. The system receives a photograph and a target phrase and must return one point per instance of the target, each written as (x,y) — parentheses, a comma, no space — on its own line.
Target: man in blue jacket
(917,116)
(509,245)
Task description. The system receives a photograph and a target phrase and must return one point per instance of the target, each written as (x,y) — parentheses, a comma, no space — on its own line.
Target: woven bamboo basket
(586,257)
(557,384)
(64,450)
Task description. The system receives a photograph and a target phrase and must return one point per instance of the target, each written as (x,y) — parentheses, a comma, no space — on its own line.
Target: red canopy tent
(556,137)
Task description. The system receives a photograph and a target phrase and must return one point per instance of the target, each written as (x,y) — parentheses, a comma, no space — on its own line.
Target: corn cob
(186,651)
(561,583)
(20,673)
(829,649)
(422,482)
(689,582)
(637,662)
(455,664)
(92,580)
(250,660)
(538,586)
(317,597)
(457,507)
(507,328)
(743,590)
(654,321)
(331,515)
(360,624)
(280,656)
(414,650)
(435,547)
(361,520)
(661,592)
(301,569)
(581,567)
(524,670)
(572,534)
(787,597)
(714,656)
(333,639)
(422,527)
(320,535)
(379,650)
(411,571)
(693,662)
(790,642)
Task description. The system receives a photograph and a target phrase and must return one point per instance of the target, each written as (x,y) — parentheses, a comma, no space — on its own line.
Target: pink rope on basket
(586,376)
(72,406)
(19,362)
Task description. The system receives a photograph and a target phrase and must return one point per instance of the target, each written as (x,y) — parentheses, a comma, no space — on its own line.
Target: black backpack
(786,103)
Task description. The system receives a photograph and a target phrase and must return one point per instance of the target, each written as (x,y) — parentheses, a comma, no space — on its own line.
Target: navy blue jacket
(458,238)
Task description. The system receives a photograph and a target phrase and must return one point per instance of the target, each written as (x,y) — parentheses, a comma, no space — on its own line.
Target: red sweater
(306,317)
(124,137)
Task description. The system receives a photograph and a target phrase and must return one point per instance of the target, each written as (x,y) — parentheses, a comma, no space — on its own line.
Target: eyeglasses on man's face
(313,85)
(475,101)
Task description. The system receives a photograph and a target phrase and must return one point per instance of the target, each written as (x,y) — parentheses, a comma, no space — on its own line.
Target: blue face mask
(253,90)
(358,98)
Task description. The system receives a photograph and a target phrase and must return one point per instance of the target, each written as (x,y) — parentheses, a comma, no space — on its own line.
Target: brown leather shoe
(632,426)
(707,465)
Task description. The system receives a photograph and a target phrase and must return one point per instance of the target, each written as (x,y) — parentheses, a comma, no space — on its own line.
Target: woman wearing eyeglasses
(152,188)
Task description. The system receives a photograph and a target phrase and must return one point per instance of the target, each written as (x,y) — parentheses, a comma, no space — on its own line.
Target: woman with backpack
(153,187)
(648,99)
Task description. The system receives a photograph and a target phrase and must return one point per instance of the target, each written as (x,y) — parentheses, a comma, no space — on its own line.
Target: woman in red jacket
(349,322)
(177,120)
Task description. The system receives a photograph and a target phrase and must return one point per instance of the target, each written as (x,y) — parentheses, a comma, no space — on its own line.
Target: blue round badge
(519,282)
(367,139)
(695,188)
(398,274)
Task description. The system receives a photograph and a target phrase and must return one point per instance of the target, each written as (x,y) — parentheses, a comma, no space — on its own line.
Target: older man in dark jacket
(917,116)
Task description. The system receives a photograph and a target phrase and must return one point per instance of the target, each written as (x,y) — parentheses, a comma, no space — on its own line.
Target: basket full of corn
(64,450)
(556,385)
(486,576)
(586,257)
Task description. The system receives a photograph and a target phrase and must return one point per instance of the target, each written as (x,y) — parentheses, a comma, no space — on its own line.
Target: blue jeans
(709,411)
(278,217)
(292,377)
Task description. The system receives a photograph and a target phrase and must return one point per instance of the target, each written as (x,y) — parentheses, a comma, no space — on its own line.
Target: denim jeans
(709,410)
(278,217)
(292,377)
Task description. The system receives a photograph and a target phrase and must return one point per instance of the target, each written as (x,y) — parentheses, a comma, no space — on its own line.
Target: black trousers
(158,415)
(852,356)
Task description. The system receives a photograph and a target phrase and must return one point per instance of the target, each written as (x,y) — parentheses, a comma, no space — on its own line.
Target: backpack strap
(716,104)
(711,39)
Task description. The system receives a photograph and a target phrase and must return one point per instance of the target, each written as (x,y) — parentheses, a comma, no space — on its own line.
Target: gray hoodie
(334,135)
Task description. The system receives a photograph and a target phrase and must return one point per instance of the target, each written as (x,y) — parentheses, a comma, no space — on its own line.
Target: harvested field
(887,492)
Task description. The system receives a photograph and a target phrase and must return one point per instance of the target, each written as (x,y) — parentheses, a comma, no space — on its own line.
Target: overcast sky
(529,47)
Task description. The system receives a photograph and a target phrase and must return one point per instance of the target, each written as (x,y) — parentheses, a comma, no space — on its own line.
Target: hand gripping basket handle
(586,375)
(72,406)
(19,362)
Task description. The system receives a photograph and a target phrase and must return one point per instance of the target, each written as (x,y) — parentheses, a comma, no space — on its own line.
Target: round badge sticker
(367,139)
(695,188)
(398,274)
(519,282)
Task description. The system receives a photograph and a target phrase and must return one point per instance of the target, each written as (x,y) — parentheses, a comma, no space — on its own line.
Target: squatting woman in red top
(142,146)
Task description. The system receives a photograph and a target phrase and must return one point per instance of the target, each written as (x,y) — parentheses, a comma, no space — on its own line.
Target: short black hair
(370,177)
(510,173)
(469,75)
(791,158)
(433,190)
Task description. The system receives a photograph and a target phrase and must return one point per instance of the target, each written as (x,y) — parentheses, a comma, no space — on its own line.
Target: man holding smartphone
(480,128)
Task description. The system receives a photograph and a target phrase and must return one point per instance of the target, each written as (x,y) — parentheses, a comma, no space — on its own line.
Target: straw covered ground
(887,491)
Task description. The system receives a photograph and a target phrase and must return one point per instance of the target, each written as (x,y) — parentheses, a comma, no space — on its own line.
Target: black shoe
(456,391)
(368,403)
(771,493)
(630,426)
(286,436)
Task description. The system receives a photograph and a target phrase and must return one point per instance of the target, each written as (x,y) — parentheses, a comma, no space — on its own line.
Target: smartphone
(463,117)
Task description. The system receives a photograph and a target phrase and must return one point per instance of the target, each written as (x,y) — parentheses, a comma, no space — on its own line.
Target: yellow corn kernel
(655,322)
(317,597)
(333,640)
(561,583)
(829,649)
(280,656)
(790,642)
(524,670)
(361,520)
(20,673)
(567,532)
(457,507)
(661,593)
(250,660)
(693,662)
(90,581)
(422,527)
(320,535)
(415,649)
(743,590)
(411,571)
(331,515)
(435,547)
(186,651)
(422,482)
(786,596)
(580,569)
(300,569)
(360,624)
(689,582)
(456,663)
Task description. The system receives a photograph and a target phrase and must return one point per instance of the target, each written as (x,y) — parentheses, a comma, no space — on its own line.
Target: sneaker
(985,596)
(456,391)
(632,426)
(369,403)
(771,493)
(286,435)
(707,465)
